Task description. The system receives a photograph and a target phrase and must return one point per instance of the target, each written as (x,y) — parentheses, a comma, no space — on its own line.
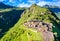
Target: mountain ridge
(4,6)
(35,14)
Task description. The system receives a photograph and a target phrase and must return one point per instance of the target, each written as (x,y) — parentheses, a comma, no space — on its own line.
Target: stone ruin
(38,24)
(43,27)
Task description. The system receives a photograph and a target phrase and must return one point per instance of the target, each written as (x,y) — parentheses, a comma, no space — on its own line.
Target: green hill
(19,32)
(8,18)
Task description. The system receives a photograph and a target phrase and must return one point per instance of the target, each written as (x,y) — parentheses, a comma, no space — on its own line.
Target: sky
(28,3)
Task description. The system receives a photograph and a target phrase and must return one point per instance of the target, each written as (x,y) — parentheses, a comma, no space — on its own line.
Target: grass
(19,32)
(6,10)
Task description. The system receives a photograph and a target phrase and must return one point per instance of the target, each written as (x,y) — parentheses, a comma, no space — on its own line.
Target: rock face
(44,28)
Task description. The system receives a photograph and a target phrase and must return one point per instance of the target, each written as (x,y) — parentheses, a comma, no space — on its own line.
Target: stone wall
(39,24)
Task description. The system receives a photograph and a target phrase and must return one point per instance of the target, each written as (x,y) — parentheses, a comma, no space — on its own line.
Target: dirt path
(47,35)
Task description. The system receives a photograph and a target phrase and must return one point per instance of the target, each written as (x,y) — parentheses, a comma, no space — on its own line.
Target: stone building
(38,24)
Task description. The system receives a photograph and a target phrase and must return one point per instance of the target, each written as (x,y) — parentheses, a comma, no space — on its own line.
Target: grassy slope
(21,33)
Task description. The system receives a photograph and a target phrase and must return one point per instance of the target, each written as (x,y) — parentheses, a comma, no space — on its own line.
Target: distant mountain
(50,6)
(54,9)
(3,6)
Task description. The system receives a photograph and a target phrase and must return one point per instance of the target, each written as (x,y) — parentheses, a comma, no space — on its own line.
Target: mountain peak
(33,5)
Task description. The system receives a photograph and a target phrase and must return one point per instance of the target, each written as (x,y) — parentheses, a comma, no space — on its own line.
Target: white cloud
(41,3)
(31,1)
(20,0)
(1,0)
(56,3)
(12,1)
(24,5)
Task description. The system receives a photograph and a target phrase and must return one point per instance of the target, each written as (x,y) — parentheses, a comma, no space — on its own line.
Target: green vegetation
(36,13)
(21,33)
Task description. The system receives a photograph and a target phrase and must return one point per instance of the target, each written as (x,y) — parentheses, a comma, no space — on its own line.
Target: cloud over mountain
(27,3)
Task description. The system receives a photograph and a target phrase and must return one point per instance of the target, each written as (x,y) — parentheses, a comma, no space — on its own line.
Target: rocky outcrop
(43,27)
